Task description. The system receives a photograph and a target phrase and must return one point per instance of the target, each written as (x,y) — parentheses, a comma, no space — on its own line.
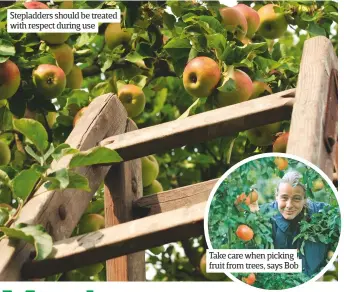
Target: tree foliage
(165,35)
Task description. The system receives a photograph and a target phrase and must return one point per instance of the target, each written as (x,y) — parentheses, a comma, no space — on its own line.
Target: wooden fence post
(123,185)
(306,138)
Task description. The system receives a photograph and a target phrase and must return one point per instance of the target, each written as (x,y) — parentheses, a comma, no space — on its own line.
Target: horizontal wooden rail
(173,199)
(172,216)
(119,240)
(178,198)
(205,126)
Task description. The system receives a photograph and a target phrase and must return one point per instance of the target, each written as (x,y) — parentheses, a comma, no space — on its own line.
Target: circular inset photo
(274,205)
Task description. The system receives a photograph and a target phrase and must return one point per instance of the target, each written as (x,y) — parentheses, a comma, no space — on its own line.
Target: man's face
(290,200)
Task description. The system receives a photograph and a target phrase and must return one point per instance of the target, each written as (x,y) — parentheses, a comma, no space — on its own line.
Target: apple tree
(166,60)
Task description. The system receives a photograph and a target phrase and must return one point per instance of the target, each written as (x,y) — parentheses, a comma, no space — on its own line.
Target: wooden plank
(173,199)
(120,240)
(203,127)
(123,185)
(60,211)
(307,124)
(178,198)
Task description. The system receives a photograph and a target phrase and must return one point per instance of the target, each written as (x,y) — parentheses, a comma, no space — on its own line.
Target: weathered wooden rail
(172,215)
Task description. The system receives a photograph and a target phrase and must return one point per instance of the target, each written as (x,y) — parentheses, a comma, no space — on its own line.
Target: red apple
(74,78)
(252,18)
(272,24)
(259,88)
(115,35)
(280,144)
(64,57)
(242,92)
(78,115)
(35,5)
(200,76)
(234,21)
(50,80)
(9,79)
(264,135)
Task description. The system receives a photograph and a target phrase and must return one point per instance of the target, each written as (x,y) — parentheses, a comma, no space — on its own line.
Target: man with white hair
(292,206)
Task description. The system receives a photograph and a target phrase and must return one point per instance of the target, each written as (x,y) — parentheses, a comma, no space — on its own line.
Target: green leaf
(322,238)
(3,59)
(191,110)
(19,159)
(7,171)
(77,181)
(217,41)
(178,48)
(157,250)
(83,53)
(136,58)
(139,80)
(4,178)
(96,155)
(256,47)
(84,39)
(57,180)
(107,64)
(32,153)
(190,17)
(159,100)
(49,152)
(276,52)
(266,64)
(95,206)
(39,168)
(169,20)
(6,48)
(3,16)
(5,194)
(78,97)
(34,131)
(101,88)
(24,183)
(66,179)
(227,86)
(42,58)
(214,24)
(316,30)
(62,150)
(4,215)
(5,118)
(35,235)
(64,120)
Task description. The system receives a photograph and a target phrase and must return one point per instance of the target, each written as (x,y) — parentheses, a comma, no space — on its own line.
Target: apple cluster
(50,80)
(203,77)
(131,96)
